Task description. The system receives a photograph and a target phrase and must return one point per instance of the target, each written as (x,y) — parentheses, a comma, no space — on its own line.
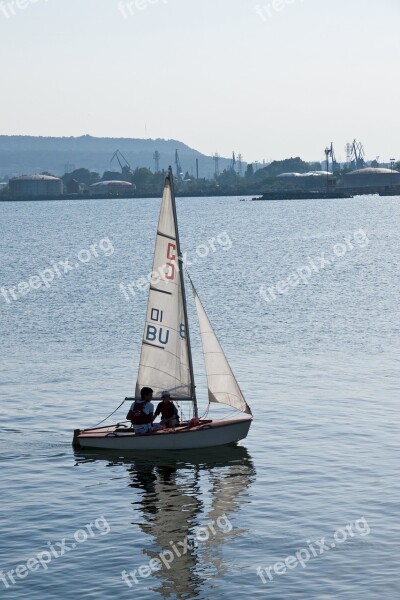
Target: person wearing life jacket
(141,412)
(168,411)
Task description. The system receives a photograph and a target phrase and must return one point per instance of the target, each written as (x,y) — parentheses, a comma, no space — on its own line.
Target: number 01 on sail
(166,359)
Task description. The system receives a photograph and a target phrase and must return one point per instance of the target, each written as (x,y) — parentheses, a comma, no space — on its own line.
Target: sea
(304,297)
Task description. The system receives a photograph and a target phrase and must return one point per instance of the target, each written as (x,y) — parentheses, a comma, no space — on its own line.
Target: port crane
(330,152)
(240,164)
(122,161)
(233,163)
(179,172)
(357,159)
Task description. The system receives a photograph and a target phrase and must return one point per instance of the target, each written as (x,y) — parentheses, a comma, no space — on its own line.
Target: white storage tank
(372,177)
(35,186)
(116,187)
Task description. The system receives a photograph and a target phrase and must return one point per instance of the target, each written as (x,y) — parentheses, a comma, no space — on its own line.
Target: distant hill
(22,154)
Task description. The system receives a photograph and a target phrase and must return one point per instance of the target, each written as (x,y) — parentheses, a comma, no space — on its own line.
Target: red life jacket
(167,410)
(138,416)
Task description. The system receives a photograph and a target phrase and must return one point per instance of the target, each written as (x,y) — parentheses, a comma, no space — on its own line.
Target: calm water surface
(318,361)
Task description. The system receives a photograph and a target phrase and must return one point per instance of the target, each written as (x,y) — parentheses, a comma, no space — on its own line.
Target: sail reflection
(186,509)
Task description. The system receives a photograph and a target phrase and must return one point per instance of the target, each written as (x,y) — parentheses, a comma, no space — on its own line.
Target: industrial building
(312,180)
(35,186)
(371,178)
(112,187)
(308,174)
(73,187)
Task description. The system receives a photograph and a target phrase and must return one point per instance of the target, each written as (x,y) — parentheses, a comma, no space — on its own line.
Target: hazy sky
(267,78)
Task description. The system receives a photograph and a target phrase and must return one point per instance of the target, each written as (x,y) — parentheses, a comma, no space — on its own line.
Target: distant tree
(249,171)
(142,177)
(158,178)
(227,178)
(277,167)
(374,164)
(113,176)
(83,176)
(126,171)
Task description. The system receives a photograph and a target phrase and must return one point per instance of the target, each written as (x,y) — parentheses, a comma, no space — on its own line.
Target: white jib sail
(164,359)
(222,384)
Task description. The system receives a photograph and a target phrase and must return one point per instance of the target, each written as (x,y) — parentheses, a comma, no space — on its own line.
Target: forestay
(222,384)
(164,360)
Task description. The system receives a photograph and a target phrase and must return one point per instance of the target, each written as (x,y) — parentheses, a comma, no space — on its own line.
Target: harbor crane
(179,172)
(122,161)
(240,164)
(233,163)
(355,155)
(329,152)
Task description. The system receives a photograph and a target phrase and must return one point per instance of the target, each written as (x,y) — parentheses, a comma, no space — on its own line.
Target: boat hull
(205,435)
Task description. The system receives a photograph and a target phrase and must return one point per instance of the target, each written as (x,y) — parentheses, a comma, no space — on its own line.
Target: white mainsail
(164,361)
(222,384)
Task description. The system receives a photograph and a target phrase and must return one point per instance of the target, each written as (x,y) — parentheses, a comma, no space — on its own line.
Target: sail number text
(160,334)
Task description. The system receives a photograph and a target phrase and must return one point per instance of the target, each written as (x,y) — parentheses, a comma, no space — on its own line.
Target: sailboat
(166,359)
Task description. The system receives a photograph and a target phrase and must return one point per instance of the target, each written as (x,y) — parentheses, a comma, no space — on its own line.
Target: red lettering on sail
(171,251)
(171,256)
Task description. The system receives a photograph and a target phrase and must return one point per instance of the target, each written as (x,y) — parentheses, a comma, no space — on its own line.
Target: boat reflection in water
(186,507)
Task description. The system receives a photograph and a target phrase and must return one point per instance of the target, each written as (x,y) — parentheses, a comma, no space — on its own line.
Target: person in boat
(168,411)
(141,413)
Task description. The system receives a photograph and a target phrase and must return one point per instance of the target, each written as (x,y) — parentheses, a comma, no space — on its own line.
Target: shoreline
(263,197)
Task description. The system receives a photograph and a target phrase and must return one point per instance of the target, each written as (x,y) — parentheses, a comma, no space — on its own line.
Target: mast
(180,268)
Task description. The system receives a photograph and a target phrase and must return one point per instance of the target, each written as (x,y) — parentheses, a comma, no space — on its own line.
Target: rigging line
(206,413)
(237,411)
(187,273)
(110,415)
